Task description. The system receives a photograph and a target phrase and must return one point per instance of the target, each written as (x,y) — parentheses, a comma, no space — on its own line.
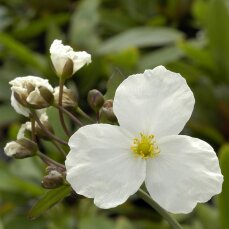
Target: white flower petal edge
(157,102)
(101,165)
(61,53)
(18,107)
(185,172)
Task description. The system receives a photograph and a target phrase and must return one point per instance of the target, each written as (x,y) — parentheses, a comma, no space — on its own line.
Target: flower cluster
(134,140)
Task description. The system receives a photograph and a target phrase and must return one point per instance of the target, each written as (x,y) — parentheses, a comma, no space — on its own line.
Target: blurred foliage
(124,37)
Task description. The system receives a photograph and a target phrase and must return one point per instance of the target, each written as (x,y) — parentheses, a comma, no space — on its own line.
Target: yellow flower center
(145,146)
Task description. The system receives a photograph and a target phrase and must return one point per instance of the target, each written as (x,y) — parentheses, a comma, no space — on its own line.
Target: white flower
(30,91)
(60,54)
(110,163)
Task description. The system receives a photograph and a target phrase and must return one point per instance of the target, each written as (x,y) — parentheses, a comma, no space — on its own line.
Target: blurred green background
(124,37)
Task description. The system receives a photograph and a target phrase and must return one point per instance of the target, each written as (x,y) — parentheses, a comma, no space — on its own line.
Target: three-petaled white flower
(110,163)
(30,91)
(60,54)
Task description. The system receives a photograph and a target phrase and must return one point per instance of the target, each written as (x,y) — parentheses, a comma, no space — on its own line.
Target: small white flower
(60,54)
(110,163)
(27,91)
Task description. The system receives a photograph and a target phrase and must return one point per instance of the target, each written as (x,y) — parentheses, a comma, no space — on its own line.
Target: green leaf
(200,56)
(96,222)
(208,216)
(161,56)
(218,34)
(83,31)
(35,27)
(140,37)
(224,196)
(8,115)
(22,52)
(12,183)
(49,199)
(113,83)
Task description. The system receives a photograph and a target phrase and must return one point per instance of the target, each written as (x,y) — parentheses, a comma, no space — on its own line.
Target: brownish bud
(106,111)
(95,99)
(54,179)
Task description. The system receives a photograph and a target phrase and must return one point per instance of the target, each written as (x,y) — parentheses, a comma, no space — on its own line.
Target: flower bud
(68,99)
(68,69)
(21,148)
(54,179)
(65,61)
(106,112)
(40,98)
(95,99)
(30,92)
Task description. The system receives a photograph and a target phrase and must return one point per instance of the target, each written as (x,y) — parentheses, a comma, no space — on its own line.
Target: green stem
(83,114)
(49,134)
(59,148)
(76,120)
(49,161)
(33,128)
(61,115)
(173,223)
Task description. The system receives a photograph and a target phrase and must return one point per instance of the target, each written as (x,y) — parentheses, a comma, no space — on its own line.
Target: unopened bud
(95,99)
(40,98)
(68,99)
(106,112)
(53,180)
(68,69)
(21,148)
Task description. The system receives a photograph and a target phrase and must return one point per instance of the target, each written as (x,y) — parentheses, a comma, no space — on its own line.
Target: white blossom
(60,54)
(109,163)
(26,91)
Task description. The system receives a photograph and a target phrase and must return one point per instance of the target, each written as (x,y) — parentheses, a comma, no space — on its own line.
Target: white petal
(12,148)
(80,59)
(22,82)
(61,53)
(18,107)
(157,102)
(184,173)
(21,132)
(101,165)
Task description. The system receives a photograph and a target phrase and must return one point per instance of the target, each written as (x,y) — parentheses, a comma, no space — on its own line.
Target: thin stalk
(49,134)
(61,115)
(173,223)
(76,120)
(49,161)
(33,128)
(97,117)
(60,149)
(83,114)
